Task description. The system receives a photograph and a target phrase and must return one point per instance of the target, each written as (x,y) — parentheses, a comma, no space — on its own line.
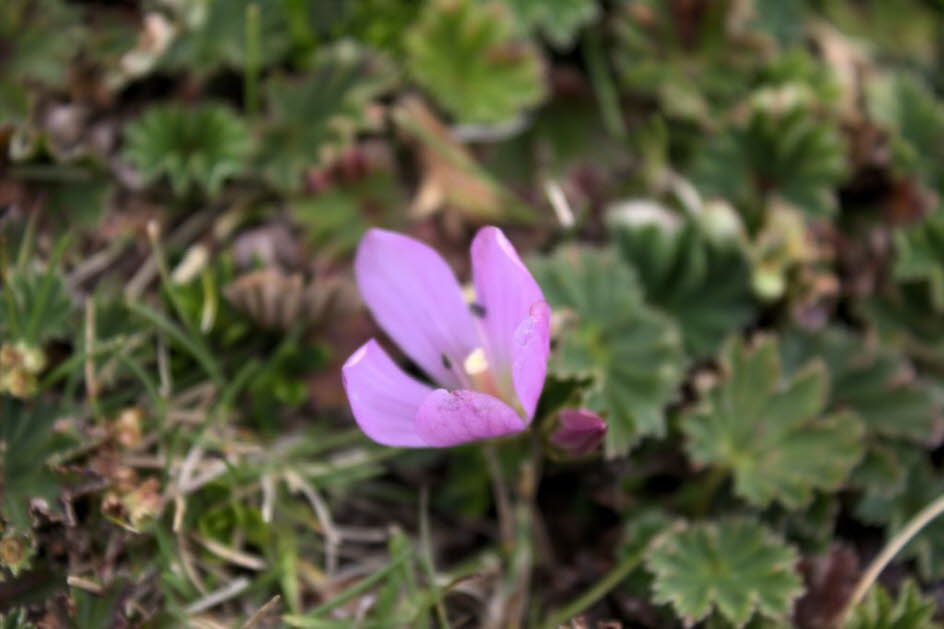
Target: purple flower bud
(579,431)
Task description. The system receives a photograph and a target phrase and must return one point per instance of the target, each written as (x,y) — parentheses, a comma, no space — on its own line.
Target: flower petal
(414,296)
(384,400)
(448,418)
(505,292)
(530,350)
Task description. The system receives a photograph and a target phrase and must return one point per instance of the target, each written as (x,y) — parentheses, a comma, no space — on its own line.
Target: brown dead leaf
(450,177)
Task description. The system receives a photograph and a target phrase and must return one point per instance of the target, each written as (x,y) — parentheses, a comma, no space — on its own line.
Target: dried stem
(918,522)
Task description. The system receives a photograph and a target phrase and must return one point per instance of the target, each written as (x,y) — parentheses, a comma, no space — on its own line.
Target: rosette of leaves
(703,284)
(878,610)
(920,250)
(736,568)
(194,147)
(29,441)
(215,35)
(631,354)
(922,484)
(877,383)
(771,432)
(320,113)
(469,57)
(915,116)
(39,38)
(783,147)
(686,57)
(558,20)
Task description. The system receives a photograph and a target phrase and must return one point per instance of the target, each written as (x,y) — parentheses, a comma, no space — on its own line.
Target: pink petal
(531,348)
(415,298)
(448,418)
(383,399)
(505,292)
(579,431)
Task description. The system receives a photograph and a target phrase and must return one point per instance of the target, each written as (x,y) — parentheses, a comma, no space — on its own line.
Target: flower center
(483,378)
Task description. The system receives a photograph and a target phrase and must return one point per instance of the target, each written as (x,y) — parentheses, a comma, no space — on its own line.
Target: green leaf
(922,485)
(27,436)
(39,39)
(920,250)
(632,354)
(334,219)
(911,610)
(783,148)
(320,114)
(199,146)
(737,567)
(770,431)
(558,20)
(907,106)
(98,610)
(216,36)
(469,58)
(705,286)
(691,71)
(877,383)
(907,317)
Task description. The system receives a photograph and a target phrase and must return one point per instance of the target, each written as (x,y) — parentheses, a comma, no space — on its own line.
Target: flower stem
(506,521)
(918,522)
(600,589)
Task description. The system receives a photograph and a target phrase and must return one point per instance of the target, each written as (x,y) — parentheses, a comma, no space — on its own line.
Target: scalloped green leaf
(705,286)
(558,20)
(877,383)
(772,432)
(909,610)
(782,148)
(736,567)
(200,146)
(470,59)
(320,113)
(632,354)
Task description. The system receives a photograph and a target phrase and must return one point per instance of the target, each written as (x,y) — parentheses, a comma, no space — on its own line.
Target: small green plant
(194,147)
(469,58)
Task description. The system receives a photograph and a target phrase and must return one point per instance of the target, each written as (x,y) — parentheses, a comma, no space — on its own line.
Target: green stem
(602,587)
(251,79)
(894,545)
(603,86)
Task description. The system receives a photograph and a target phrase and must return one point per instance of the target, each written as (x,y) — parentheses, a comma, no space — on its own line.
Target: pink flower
(579,431)
(488,357)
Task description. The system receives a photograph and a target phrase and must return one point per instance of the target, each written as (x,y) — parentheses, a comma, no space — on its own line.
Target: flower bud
(579,431)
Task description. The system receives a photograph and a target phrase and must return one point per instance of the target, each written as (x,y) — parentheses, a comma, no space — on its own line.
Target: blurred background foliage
(732,206)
